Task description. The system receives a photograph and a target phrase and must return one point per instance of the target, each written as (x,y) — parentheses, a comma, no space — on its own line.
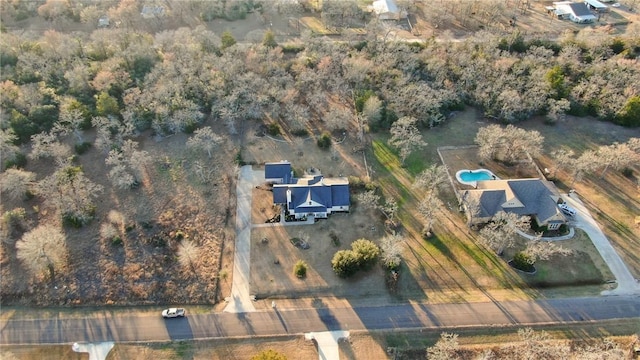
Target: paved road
(104,327)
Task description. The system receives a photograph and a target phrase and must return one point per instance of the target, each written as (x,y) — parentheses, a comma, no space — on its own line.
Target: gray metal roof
(538,197)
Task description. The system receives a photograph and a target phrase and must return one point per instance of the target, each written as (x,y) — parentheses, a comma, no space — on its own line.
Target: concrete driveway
(241,300)
(627,284)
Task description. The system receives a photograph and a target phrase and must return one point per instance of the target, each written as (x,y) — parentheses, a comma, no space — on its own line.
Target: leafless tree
(188,254)
(431,179)
(406,137)
(204,139)
(446,348)
(500,233)
(428,208)
(42,248)
(70,193)
(538,249)
(539,345)
(616,156)
(338,118)
(602,350)
(557,109)
(519,141)
(472,206)
(391,246)
(583,165)
(70,121)
(369,199)
(489,140)
(48,145)
(371,111)
(110,132)
(563,158)
(512,142)
(128,164)
(15,183)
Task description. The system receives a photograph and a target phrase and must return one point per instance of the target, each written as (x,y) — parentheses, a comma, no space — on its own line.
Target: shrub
(345,263)
(300,132)
(190,127)
(522,261)
(273,129)
(362,256)
(360,45)
(19,161)
(292,48)
(116,241)
(269,39)
(367,252)
(300,269)
(324,141)
(334,238)
(14,218)
(82,148)
(70,220)
(627,172)
(239,160)
(357,184)
(78,220)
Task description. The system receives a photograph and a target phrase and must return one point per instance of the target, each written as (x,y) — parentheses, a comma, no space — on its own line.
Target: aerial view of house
(310,195)
(533,197)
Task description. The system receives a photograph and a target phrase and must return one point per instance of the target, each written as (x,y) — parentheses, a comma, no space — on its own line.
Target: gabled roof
(278,170)
(340,195)
(580,9)
(521,196)
(313,193)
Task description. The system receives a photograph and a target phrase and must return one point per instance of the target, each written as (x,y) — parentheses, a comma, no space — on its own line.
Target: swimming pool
(471,177)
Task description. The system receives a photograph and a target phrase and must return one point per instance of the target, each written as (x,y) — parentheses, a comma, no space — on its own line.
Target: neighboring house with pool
(530,197)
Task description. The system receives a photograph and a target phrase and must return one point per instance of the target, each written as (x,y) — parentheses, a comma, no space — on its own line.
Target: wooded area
(64,92)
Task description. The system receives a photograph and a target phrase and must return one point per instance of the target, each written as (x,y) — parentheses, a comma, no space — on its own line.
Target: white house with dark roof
(311,195)
(526,197)
(576,12)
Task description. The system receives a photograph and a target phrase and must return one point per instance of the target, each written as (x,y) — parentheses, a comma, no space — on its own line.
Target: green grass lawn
(583,267)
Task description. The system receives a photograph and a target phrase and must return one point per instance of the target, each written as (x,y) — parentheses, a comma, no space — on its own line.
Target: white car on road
(173,313)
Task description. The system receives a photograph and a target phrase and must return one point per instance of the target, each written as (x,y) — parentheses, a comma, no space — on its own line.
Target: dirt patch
(272,260)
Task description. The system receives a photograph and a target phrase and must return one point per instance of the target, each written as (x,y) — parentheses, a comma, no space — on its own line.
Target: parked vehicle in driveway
(567,210)
(173,313)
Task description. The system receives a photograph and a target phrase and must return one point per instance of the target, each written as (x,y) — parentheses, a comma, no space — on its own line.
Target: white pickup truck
(173,313)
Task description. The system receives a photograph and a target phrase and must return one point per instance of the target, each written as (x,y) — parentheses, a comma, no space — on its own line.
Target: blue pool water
(476,176)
